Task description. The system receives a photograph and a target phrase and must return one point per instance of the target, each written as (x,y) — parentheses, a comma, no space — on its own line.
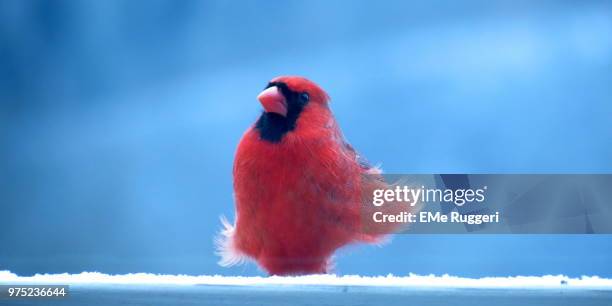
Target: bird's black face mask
(272,126)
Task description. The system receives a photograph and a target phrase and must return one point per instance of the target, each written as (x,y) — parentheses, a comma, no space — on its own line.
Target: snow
(411,280)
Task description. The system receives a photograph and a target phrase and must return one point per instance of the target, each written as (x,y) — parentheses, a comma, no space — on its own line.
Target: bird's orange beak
(273,101)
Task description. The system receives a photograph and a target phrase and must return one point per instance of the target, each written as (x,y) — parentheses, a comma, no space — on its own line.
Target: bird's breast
(295,198)
(294,176)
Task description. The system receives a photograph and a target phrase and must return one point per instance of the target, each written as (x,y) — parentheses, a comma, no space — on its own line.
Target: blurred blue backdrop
(119,120)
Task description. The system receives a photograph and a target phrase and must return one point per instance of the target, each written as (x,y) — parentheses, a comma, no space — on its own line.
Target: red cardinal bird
(298,185)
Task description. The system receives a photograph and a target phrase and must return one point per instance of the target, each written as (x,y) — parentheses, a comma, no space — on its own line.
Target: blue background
(119,120)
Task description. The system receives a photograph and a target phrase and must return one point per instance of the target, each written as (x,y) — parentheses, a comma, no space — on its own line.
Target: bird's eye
(304,97)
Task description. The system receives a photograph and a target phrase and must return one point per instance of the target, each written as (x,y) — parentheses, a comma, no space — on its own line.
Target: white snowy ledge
(412,280)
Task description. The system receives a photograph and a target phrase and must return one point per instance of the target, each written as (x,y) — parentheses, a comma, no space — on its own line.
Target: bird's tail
(374,231)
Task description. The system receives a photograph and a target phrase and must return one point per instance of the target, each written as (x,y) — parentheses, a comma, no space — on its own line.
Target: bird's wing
(372,179)
(350,151)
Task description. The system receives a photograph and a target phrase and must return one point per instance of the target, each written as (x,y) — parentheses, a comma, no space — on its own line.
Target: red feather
(297,200)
